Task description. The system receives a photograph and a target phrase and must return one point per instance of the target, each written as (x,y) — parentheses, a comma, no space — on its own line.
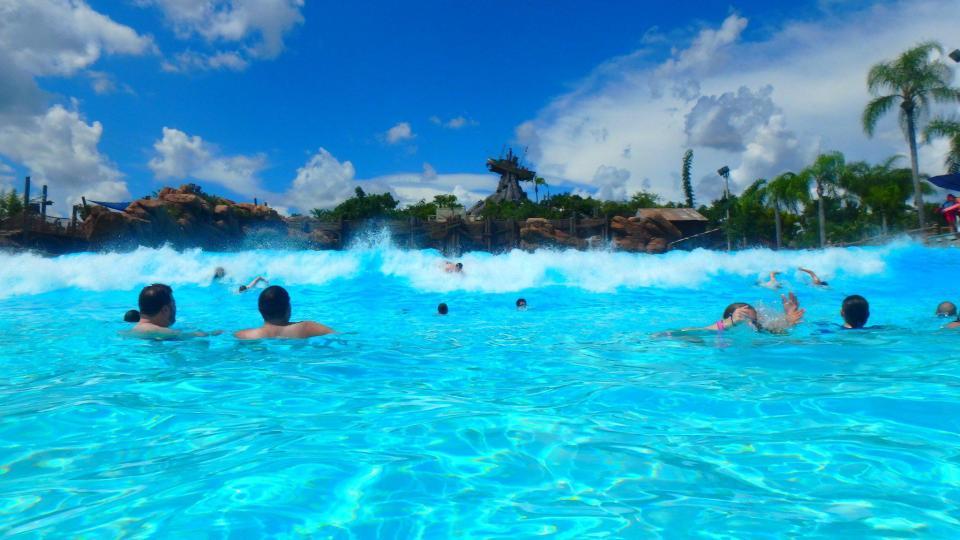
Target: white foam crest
(598,271)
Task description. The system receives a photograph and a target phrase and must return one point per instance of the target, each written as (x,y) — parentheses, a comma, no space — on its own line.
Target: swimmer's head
(274,305)
(521,303)
(442,309)
(219,273)
(750,312)
(131,316)
(459,267)
(855,311)
(157,303)
(946,309)
(242,288)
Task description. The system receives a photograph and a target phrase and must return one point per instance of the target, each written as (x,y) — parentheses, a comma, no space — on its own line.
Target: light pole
(724,173)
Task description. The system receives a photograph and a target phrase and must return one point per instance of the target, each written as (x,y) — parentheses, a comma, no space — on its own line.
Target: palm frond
(875,110)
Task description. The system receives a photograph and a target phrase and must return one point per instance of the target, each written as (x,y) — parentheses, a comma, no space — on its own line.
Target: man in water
(442,309)
(452,268)
(274,305)
(131,316)
(817,282)
(252,284)
(219,273)
(947,309)
(855,311)
(158,312)
(521,304)
(771,283)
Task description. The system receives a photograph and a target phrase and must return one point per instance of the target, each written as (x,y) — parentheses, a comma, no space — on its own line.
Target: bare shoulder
(307,329)
(250,333)
(955,324)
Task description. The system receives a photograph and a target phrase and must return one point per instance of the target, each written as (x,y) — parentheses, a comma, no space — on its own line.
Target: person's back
(274,306)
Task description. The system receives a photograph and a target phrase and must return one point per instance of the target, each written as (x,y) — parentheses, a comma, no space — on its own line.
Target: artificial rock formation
(637,234)
(540,232)
(183,217)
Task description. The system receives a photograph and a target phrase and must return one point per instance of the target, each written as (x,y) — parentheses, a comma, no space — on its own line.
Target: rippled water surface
(573,419)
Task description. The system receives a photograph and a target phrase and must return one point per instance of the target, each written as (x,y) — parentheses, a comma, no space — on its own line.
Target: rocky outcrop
(183,217)
(540,232)
(637,234)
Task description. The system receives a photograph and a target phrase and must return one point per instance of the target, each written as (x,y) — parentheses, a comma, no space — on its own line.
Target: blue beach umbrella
(946,181)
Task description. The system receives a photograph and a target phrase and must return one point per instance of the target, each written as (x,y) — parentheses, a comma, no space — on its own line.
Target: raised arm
(816,280)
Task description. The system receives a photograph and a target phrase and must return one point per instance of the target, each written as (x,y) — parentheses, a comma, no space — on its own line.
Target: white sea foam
(598,271)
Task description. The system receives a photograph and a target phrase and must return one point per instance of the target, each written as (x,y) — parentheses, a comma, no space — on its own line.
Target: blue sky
(298,102)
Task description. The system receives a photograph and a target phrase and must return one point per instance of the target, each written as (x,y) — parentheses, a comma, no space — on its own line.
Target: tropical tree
(911,80)
(10,204)
(825,173)
(537,182)
(685,177)
(786,192)
(950,128)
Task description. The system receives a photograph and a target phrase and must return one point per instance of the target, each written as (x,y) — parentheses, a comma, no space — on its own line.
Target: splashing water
(571,419)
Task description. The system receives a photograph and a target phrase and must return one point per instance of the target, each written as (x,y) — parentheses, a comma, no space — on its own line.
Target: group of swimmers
(158,312)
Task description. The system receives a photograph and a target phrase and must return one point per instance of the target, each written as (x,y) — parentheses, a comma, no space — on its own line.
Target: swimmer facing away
(158,312)
(452,268)
(522,304)
(855,311)
(948,310)
(274,306)
(442,309)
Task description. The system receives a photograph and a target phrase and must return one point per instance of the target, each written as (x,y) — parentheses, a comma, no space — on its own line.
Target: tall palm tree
(950,128)
(786,192)
(911,80)
(825,172)
(537,182)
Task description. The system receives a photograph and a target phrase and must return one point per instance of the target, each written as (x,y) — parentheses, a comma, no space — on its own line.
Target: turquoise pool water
(569,420)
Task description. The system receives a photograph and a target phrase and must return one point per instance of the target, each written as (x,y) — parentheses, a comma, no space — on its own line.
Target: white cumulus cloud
(399,133)
(180,156)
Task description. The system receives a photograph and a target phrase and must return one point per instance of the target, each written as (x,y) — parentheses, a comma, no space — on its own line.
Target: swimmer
(521,304)
(274,306)
(739,312)
(158,312)
(452,268)
(219,273)
(948,310)
(817,282)
(131,316)
(772,283)
(442,309)
(855,311)
(252,284)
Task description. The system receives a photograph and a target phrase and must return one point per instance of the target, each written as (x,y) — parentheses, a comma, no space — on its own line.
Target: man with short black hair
(158,312)
(855,311)
(274,306)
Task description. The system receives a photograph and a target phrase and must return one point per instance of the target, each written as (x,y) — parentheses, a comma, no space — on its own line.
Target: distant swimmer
(740,313)
(219,273)
(453,268)
(855,311)
(252,284)
(131,316)
(274,305)
(521,304)
(817,282)
(772,282)
(158,312)
(442,309)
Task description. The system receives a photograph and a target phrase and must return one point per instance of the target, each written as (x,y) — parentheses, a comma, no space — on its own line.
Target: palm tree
(912,80)
(685,178)
(537,182)
(946,127)
(786,192)
(825,173)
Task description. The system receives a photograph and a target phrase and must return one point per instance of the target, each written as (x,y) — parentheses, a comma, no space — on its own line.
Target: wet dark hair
(131,316)
(155,297)
(855,310)
(727,313)
(219,272)
(242,288)
(521,302)
(459,266)
(274,304)
(442,309)
(946,309)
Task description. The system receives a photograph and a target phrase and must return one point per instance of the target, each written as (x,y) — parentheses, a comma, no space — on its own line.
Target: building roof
(672,214)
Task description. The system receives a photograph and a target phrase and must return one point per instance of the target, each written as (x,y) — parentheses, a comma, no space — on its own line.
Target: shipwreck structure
(508,189)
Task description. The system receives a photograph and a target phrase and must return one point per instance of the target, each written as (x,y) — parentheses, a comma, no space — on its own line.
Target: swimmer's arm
(256,280)
(793,315)
(814,277)
(954,324)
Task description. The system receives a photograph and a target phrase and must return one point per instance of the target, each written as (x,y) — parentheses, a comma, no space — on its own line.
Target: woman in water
(741,313)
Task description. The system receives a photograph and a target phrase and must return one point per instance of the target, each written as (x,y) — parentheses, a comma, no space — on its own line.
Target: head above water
(131,316)
(157,304)
(855,311)
(750,311)
(442,309)
(946,309)
(521,303)
(274,305)
(219,272)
